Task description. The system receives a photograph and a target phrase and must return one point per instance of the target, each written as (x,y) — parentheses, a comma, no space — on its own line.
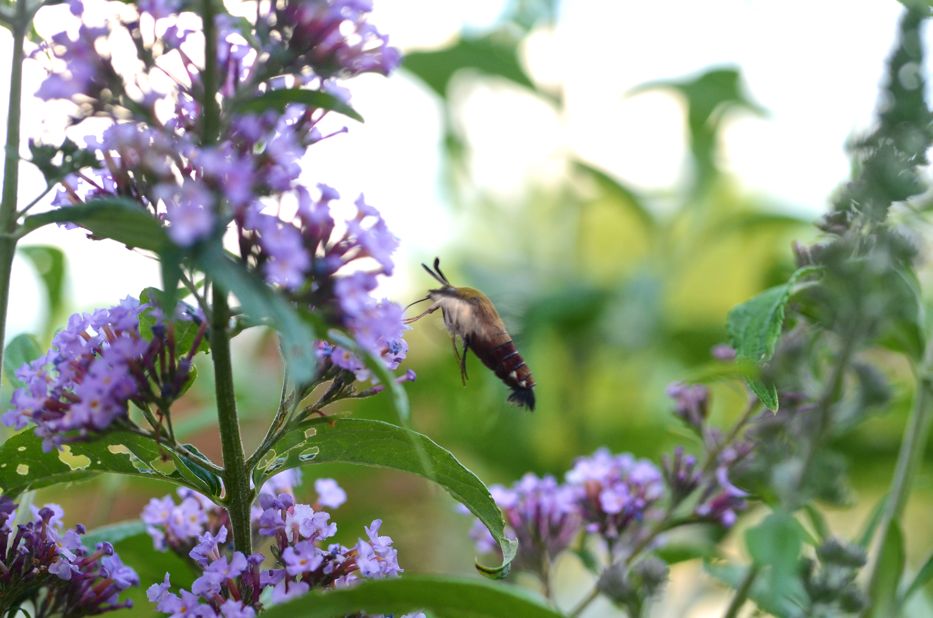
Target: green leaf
(278,99)
(489,55)
(902,329)
(444,596)
(262,303)
(924,576)
(871,524)
(673,553)
(380,444)
(619,192)
(113,533)
(22,349)
(26,466)
(49,263)
(118,218)
(882,591)
(733,576)
(818,521)
(775,544)
(709,98)
(755,326)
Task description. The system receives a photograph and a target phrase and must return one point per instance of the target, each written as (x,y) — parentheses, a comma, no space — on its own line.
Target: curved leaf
(444,596)
(261,302)
(24,465)
(380,444)
(118,218)
(49,263)
(20,350)
(924,576)
(883,588)
(278,99)
(486,54)
(622,194)
(755,326)
(113,533)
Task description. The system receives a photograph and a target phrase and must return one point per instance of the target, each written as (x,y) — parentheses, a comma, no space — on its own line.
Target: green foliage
(923,577)
(489,54)
(113,533)
(755,327)
(117,218)
(444,596)
(25,466)
(49,263)
(279,99)
(774,546)
(890,568)
(72,158)
(20,350)
(710,97)
(374,443)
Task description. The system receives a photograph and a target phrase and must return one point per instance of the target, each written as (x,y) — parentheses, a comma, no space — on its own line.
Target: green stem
(211,111)
(742,593)
(238,495)
(916,433)
(11,170)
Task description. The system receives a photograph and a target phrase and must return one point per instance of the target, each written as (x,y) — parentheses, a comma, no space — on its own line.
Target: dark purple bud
(691,403)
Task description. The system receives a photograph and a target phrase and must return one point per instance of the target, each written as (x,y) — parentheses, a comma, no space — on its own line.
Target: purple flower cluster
(616,498)
(303,557)
(44,564)
(540,513)
(96,365)
(615,491)
(249,178)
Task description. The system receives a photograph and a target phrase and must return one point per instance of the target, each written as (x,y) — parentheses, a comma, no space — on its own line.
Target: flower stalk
(11,170)
(911,452)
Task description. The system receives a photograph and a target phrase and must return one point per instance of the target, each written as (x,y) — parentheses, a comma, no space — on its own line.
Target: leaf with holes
(383,445)
(25,466)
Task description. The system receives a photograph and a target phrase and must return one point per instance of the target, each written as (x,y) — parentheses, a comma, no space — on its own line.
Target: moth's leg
(427,311)
(463,371)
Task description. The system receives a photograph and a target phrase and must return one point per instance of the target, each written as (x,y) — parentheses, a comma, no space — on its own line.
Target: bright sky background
(815,66)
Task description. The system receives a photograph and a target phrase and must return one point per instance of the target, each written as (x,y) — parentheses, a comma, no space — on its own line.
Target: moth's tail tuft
(523,398)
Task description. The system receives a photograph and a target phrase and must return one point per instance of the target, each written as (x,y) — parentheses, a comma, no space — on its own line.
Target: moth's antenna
(439,278)
(437,267)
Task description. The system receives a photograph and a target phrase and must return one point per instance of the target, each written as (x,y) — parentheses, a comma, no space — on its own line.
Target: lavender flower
(302,556)
(96,366)
(41,560)
(253,167)
(615,491)
(540,513)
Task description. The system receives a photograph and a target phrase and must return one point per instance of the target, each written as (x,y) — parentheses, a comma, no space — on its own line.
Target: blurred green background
(612,289)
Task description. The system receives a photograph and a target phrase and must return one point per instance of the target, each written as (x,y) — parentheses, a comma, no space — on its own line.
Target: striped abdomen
(510,367)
